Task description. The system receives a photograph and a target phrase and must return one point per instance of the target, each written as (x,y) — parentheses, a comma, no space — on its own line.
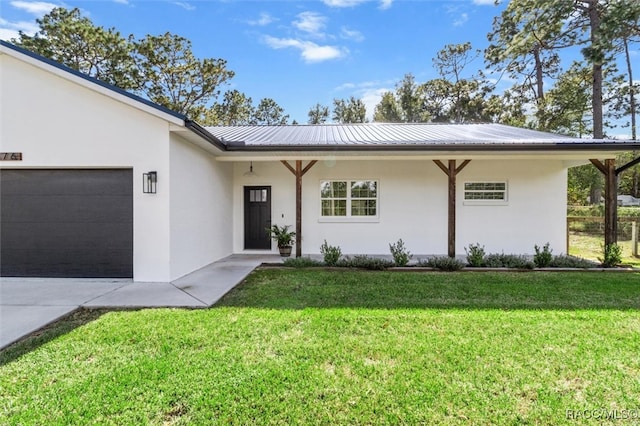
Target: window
(485,191)
(258,195)
(350,198)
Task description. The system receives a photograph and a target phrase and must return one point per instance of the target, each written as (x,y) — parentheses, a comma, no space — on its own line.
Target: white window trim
(349,218)
(504,202)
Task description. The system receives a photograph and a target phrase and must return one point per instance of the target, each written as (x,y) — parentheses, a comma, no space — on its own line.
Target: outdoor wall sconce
(149,182)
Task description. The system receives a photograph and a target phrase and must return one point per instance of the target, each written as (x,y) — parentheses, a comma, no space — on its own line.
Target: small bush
(563,261)
(365,262)
(331,254)
(543,257)
(475,255)
(508,261)
(401,256)
(443,263)
(612,256)
(301,262)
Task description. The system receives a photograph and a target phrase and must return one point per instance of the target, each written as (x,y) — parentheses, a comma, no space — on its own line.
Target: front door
(257,217)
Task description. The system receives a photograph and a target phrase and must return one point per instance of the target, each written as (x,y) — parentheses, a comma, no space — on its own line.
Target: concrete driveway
(28,304)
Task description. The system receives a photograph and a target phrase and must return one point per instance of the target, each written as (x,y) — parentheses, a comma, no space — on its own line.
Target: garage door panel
(57,264)
(66,235)
(66,223)
(65,208)
(66,182)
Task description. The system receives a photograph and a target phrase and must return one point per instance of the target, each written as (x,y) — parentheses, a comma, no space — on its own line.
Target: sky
(298,53)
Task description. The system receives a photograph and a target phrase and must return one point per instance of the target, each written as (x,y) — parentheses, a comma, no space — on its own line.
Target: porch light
(250,173)
(149,182)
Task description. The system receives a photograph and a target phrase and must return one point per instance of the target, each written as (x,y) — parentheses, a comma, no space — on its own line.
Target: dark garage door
(66,223)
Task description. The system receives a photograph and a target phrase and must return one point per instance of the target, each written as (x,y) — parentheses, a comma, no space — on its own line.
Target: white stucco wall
(413,206)
(57,123)
(201,208)
(535,213)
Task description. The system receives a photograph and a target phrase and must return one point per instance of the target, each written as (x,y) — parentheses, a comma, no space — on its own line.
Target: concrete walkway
(28,304)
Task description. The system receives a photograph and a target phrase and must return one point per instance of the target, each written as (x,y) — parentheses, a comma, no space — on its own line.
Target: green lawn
(590,247)
(344,347)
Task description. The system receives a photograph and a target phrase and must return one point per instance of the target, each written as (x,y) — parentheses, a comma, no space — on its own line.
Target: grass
(590,247)
(343,347)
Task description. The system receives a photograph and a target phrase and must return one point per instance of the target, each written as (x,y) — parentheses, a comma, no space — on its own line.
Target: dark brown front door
(257,217)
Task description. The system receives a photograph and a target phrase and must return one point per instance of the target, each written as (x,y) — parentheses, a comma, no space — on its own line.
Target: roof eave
(206,135)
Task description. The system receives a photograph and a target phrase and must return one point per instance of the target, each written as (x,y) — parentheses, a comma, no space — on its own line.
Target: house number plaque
(10,156)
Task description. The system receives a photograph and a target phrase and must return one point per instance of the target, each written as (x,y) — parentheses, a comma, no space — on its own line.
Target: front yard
(347,347)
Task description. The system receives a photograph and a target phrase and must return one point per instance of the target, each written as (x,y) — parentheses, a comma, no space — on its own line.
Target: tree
(465,97)
(387,110)
(409,100)
(318,114)
(506,109)
(567,106)
(67,37)
(435,99)
(404,105)
(524,42)
(350,111)
(174,77)
(584,185)
(269,113)
(235,109)
(527,27)
(161,68)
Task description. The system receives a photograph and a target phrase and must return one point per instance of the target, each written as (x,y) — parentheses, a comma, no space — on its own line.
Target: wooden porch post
(610,173)
(451,173)
(298,172)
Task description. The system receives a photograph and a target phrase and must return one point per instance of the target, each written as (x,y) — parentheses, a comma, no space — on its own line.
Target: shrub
(563,261)
(475,255)
(612,256)
(301,262)
(508,261)
(443,263)
(401,256)
(331,254)
(365,262)
(543,257)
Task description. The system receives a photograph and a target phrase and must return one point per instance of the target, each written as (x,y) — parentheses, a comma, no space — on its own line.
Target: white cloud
(371,98)
(343,3)
(311,23)
(462,19)
(370,92)
(484,2)
(384,4)
(7,34)
(121,1)
(264,19)
(38,8)
(311,52)
(348,34)
(9,30)
(345,86)
(184,5)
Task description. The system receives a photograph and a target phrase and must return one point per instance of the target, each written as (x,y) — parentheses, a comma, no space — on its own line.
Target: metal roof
(401,136)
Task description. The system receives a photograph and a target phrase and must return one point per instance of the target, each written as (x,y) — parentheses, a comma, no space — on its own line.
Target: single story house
(97,182)
(628,201)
